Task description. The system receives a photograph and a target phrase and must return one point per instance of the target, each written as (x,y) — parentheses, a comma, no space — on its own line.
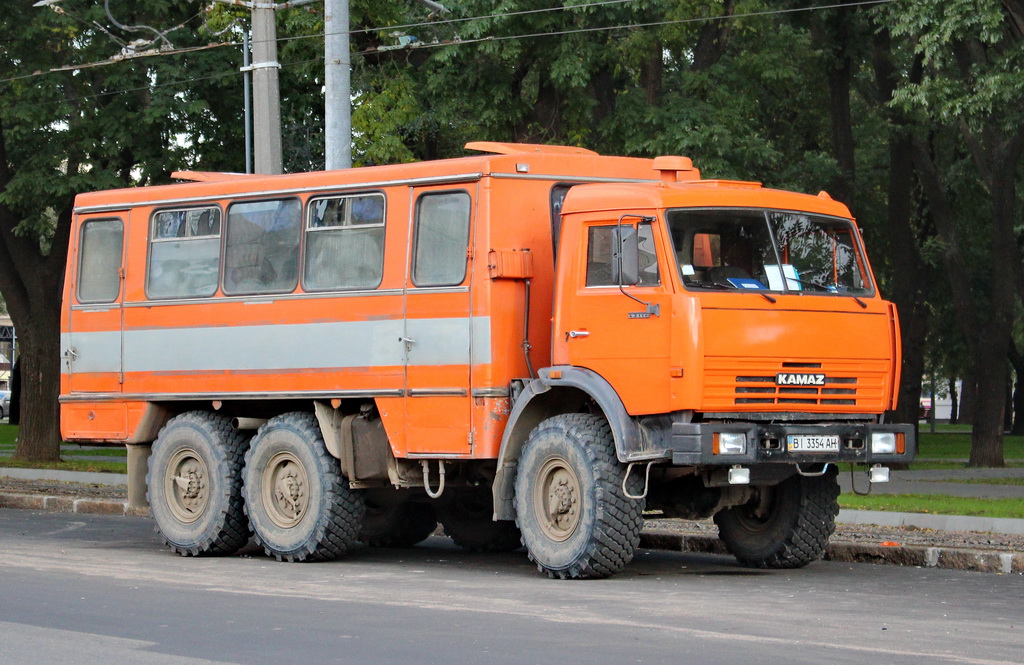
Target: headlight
(883,443)
(730,443)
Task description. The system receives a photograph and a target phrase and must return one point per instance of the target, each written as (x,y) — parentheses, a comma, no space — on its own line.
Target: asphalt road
(92,589)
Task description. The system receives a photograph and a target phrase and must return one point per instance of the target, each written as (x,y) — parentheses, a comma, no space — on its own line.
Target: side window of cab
(627,248)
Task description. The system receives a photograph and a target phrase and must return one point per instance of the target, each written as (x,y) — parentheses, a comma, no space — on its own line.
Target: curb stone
(67,504)
(947,558)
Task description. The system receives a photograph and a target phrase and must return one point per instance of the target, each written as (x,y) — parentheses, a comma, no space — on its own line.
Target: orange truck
(534,346)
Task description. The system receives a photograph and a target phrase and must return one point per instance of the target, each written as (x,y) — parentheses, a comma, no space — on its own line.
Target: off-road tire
(467,519)
(398,525)
(791,530)
(299,505)
(194,485)
(568,464)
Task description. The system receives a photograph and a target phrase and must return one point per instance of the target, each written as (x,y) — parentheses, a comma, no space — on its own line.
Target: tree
(972,98)
(61,133)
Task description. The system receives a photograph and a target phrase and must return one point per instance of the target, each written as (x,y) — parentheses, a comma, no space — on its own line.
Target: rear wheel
(300,507)
(468,520)
(575,520)
(397,524)
(195,484)
(784,526)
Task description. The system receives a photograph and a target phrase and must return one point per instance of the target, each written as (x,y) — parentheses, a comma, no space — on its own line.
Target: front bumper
(693,444)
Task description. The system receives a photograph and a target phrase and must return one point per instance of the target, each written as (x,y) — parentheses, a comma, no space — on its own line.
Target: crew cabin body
(410,285)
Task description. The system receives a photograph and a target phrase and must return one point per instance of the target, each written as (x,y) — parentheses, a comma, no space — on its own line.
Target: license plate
(813,443)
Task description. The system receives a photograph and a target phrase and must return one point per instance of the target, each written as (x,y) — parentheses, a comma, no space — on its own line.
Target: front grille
(751,383)
(769,393)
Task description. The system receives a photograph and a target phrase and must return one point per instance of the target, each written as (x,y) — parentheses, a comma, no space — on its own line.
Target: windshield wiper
(828,289)
(710,285)
(730,287)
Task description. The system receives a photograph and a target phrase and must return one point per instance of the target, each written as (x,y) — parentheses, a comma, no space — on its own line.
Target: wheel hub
(285,490)
(186,485)
(557,499)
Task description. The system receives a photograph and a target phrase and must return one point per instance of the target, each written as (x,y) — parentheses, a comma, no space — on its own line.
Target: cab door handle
(572,334)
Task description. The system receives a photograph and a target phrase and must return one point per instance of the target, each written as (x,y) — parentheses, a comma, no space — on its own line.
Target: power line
(117,59)
(475,40)
(459,42)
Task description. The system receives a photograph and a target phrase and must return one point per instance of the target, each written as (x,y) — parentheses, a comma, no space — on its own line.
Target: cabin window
(602,261)
(442,238)
(344,243)
(99,266)
(184,253)
(262,248)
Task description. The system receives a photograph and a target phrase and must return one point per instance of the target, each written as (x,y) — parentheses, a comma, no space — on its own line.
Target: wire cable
(430,45)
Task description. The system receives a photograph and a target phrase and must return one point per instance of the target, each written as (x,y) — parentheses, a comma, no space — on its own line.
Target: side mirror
(627,256)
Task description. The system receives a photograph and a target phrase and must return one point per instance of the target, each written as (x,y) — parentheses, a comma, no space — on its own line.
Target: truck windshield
(767,250)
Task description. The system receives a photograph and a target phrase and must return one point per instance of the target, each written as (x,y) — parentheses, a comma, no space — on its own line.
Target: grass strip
(957,445)
(72,465)
(955,466)
(101,452)
(935,504)
(975,481)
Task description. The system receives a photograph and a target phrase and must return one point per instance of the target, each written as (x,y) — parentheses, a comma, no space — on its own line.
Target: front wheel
(784,526)
(299,505)
(575,520)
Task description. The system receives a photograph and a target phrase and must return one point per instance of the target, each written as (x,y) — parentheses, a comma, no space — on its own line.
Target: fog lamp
(883,443)
(878,474)
(731,443)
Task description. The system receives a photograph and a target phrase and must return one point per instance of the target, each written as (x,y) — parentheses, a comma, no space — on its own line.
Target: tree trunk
(1016,427)
(990,346)
(840,76)
(909,271)
(39,437)
(954,402)
(987,433)
(968,398)
(31,283)
(713,40)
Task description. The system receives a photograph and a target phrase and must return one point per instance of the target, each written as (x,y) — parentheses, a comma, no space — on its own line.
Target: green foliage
(128,123)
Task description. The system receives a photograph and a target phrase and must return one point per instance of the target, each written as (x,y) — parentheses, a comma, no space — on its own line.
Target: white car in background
(5,404)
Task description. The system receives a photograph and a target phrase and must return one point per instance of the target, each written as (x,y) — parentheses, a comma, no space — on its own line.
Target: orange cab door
(92,351)
(602,328)
(439,339)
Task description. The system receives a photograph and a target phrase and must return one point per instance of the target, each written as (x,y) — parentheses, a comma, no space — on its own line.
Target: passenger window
(262,248)
(601,256)
(99,266)
(344,243)
(184,253)
(442,237)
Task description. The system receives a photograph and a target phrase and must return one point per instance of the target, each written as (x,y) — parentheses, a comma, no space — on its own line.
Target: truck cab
(733,339)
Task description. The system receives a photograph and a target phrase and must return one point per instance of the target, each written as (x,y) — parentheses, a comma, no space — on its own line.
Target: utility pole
(338,82)
(267,98)
(337,78)
(247,93)
(266,90)
(338,86)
